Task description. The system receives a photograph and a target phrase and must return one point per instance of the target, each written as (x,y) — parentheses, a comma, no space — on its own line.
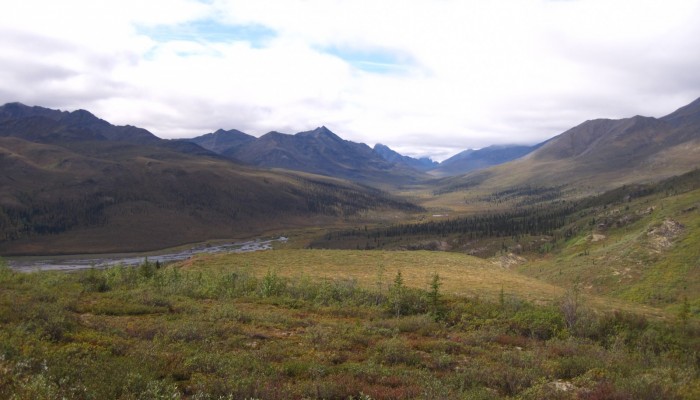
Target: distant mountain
(420,164)
(321,151)
(73,183)
(223,142)
(686,115)
(470,160)
(603,154)
(43,124)
(604,144)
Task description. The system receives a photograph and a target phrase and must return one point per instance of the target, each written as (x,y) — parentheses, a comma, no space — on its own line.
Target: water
(27,265)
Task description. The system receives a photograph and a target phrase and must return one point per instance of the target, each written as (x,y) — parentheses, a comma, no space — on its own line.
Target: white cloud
(426,77)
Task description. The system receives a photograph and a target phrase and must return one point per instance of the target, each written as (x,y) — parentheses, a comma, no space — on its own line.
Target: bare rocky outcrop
(596,237)
(661,237)
(508,261)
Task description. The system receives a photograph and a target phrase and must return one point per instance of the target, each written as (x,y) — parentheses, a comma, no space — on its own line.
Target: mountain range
(601,154)
(597,152)
(70,181)
(420,164)
(471,160)
(321,151)
(73,183)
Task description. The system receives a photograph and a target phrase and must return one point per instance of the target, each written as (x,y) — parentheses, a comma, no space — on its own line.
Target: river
(72,263)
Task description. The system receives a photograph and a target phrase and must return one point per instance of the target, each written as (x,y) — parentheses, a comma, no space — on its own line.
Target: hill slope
(637,243)
(601,154)
(70,187)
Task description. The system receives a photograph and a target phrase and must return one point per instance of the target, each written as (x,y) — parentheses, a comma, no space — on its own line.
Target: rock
(661,237)
(562,386)
(596,237)
(508,261)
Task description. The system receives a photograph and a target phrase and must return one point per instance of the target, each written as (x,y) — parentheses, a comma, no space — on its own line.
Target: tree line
(540,220)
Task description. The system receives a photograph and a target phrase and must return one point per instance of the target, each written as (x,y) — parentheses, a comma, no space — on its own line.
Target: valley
(569,269)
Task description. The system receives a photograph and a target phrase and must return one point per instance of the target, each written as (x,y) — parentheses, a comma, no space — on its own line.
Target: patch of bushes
(539,323)
(395,351)
(174,333)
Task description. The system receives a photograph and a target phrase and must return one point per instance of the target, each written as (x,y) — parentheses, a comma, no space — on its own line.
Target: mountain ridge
(70,121)
(67,188)
(471,159)
(601,154)
(601,151)
(320,151)
(421,164)
(308,151)
(222,141)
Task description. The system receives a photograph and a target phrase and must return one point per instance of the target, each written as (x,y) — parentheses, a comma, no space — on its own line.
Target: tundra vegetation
(251,326)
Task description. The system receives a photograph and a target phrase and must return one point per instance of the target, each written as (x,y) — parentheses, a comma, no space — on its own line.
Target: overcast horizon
(426,78)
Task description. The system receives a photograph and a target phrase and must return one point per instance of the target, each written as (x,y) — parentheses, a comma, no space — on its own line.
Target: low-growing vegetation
(236,331)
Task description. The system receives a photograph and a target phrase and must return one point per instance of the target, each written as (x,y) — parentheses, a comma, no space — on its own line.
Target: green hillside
(644,250)
(89,197)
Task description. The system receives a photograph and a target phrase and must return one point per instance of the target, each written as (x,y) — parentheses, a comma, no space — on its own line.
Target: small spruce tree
(570,305)
(380,283)
(434,295)
(396,294)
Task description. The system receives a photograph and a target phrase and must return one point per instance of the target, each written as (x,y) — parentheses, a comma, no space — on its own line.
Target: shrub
(511,380)
(271,284)
(296,368)
(147,269)
(539,323)
(655,341)
(395,351)
(94,281)
(141,387)
(51,321)
(6,274)
(572,366)
(39,387)
(421,324)
(442,362)
(121,276)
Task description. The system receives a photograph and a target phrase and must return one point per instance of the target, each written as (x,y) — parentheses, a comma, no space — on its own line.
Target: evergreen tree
(434,296)
(397,294)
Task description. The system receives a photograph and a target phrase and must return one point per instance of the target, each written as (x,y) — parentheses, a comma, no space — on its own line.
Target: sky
(425,77)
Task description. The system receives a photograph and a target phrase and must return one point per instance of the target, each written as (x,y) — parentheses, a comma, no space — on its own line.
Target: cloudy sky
(427,78)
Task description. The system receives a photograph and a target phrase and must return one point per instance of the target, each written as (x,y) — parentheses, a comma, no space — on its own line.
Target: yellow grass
(460,275)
